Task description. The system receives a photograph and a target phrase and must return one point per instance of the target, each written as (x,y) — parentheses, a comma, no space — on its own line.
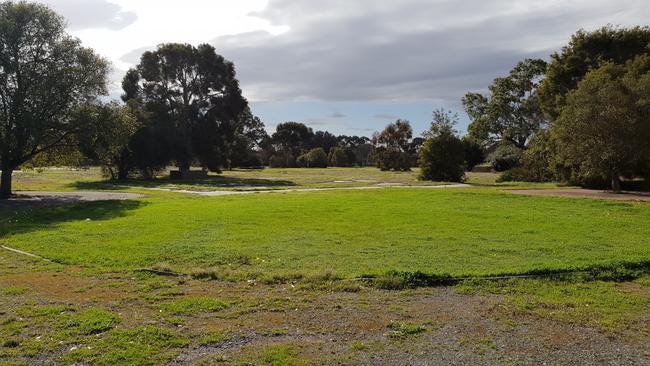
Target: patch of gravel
(34,199)
(584,193)
(229,193)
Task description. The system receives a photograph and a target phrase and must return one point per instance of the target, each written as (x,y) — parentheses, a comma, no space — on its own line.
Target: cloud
(93,14)
(337,115)
(380,50)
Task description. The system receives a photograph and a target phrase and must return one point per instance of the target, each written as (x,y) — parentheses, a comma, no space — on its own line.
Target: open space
(321,277)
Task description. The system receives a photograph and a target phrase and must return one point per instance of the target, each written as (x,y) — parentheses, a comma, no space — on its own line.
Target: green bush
(505,157)
(442,158)
(315,158)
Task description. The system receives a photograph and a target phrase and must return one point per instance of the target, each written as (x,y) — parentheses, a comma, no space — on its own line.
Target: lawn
(272,274)
(475,231)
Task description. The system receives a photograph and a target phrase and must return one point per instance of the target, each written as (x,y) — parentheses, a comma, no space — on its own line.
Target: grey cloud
(337,115)
(342,50)
(88,14)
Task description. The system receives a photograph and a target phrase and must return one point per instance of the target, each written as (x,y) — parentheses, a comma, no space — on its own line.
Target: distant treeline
(584,117)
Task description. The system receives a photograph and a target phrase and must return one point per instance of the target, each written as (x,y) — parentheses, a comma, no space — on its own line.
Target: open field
(282,278)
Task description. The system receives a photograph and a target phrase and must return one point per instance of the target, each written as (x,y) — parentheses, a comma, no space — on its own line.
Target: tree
(248,143)
(341,157)
(325,140)
(315,158)
(290,140)
(511,113)
(604,127)
(474,153)
(587,51)
(106,141)
(196,91)
(392,146)
(442,157)
(44,75)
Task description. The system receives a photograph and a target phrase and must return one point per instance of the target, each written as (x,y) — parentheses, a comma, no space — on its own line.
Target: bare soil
(35,199)
(584,193)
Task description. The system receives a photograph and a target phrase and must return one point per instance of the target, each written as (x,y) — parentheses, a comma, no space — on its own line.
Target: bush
(315,158)
(505,157)
(392,159)
(342,157)
(442,158)
(474,153)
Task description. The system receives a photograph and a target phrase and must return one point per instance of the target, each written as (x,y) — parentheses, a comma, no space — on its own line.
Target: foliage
(393,145)
(107,138)
(443,156)
(46,74)
(290,140)
(511,113)
(505,157)
(474,153)
(587,51)
(315,158)
(342,157)
(193,98)
(604,128)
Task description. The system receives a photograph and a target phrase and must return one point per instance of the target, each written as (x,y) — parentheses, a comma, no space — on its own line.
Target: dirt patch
(584,193)
(34,199)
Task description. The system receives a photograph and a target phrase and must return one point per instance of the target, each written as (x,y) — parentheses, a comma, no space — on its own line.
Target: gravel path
(584,193)
(31,199)
(229,193)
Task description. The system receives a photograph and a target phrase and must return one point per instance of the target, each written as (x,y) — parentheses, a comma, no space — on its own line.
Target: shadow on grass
(17,220)
(215,182)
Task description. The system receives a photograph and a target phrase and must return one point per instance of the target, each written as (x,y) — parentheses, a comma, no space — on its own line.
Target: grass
(146,345)
(350,233)
(604,305)
(293,258)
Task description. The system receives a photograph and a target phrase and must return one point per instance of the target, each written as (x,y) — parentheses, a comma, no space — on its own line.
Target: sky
(348,66)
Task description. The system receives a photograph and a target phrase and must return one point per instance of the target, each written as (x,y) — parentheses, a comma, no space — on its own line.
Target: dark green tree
(442,158)
(587,51)
(315,158)
(604,128)
(106,141)
(392,146)
(325,140)
(195,91)
(511,113)
(342,157)
(45,74)
(290,140)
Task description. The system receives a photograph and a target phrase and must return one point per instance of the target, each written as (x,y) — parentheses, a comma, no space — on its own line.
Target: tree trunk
(616,182)
(5,183)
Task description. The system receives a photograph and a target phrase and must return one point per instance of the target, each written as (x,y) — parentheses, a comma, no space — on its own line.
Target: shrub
(315,158)
(442,158)
(505,157)
(341,157)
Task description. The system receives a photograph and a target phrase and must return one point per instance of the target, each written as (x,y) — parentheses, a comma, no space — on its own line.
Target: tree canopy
(44,75)
(193,91)
(587,51)
(511,112)
(604,129)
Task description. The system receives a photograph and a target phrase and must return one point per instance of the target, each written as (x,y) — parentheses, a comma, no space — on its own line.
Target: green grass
(604,305)
(147,345)
(349,233)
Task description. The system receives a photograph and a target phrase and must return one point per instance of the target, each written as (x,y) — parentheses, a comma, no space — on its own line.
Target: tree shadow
(212,182)
(17,216)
